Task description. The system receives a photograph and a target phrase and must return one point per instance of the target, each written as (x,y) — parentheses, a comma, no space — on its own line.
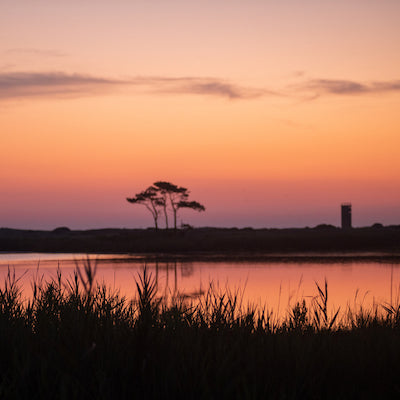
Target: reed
(77,338)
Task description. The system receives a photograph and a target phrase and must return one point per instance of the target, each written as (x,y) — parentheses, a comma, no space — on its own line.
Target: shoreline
(299,258)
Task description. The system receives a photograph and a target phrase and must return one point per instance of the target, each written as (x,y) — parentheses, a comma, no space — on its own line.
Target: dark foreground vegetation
(75,339)
(323,238)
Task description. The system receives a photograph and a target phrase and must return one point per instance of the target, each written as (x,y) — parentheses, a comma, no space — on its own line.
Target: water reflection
(167,275)
(275,285)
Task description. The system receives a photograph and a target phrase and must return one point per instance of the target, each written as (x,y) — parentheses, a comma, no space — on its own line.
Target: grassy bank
(204,240)
(77,339)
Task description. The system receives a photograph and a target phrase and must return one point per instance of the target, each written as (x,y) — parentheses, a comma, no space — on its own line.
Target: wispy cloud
(64,85)
(7,67)
(59,84)
(321,87)
(36,52)
(53,84)
(199,86)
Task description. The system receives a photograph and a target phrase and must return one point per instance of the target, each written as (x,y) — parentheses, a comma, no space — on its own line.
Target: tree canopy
(165,197)
(150,199)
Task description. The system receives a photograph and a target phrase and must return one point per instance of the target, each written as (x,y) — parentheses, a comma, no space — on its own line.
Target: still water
(275,285)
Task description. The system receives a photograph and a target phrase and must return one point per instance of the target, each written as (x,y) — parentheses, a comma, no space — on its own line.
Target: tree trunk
(174,207)
(166,217)
(154,211)
(175,212)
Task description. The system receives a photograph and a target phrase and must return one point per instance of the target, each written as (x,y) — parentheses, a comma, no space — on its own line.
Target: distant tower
(346,216)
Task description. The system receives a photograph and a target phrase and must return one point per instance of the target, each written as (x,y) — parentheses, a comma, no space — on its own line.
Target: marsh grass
(77,338)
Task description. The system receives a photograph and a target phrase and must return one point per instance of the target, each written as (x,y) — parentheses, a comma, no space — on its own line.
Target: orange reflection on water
(276,286)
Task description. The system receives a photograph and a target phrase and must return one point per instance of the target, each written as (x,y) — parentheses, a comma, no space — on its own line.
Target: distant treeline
(233,241)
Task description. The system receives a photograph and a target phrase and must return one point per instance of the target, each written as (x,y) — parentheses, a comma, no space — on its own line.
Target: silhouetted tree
(150,199)
(163,198)
(174,193)
(177,197)
(194,205)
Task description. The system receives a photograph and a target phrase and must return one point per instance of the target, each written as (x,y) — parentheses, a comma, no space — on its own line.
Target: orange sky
(272,114)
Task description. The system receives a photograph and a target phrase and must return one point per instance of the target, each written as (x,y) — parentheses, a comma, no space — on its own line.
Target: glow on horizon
(271,114)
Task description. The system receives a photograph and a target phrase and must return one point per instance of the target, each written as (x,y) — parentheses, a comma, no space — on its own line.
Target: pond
(274,285)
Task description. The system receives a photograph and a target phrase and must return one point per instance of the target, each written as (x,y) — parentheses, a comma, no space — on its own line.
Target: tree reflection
(170,286)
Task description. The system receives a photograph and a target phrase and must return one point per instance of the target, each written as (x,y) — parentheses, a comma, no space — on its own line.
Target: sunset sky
(272,113)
